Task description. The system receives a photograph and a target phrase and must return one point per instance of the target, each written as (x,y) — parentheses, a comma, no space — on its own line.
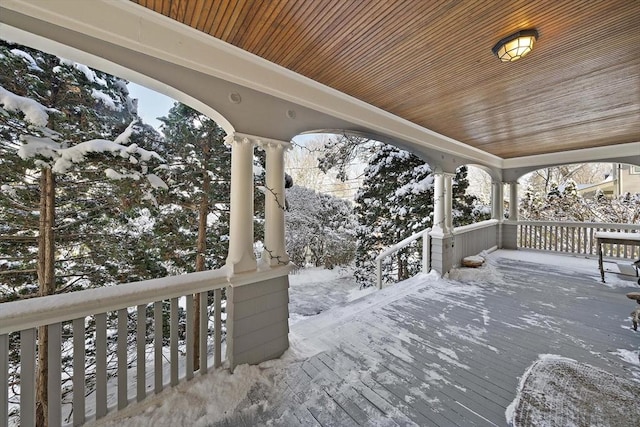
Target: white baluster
(79,416)
(54,380)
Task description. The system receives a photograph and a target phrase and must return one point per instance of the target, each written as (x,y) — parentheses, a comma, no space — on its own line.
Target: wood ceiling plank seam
(438,35)
(294,41)
(540,146)
(178,10)
(347,72)
(281,45)
(403,61)
(230,16)
(274,8)
(195,11)
(246,26)
(237,19)
(314,27)
(563,88)
(480,133)
(244,22)
(336,48)
(218,19)
(166,7)
(203,16)
(189,11)
(561,131)
(208,26)
(325,37)
(372,38)
(401,66)
(276,27)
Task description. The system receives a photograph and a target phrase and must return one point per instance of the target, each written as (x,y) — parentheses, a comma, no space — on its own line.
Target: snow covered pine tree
(68,164)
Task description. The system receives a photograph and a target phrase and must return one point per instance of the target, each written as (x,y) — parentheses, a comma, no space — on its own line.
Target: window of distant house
(635,170)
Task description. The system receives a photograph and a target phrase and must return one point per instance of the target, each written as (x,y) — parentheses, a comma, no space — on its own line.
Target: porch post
(441,237)
(510,227)
(240,257)
(513,201)
(438,203)
(497,208)
(257,300)
(275,252)
(448,202)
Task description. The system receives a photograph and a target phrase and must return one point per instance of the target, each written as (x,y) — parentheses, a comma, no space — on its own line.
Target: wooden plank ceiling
(430,62)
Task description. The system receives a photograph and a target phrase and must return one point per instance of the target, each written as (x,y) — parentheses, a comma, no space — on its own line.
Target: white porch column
(438,203)
(275,252)
(513,201)
(441,237)
(497,205)
(509,228)
(240,257)
(448,202)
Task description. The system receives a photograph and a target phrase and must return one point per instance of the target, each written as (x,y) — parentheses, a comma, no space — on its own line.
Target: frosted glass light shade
(515,46)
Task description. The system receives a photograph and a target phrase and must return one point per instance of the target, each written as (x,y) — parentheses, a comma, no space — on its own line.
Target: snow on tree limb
(63,158)
(33,111)
(156,181)
(88,72)
(123,138)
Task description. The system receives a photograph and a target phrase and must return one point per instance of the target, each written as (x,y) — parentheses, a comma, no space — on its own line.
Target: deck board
(454,360)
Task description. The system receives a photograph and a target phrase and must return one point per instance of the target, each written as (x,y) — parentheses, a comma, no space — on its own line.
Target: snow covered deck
(427,351)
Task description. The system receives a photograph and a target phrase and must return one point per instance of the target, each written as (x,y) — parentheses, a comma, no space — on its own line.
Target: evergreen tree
(194,213)
(93,185)
(67,161)
(194,218)
(394,202)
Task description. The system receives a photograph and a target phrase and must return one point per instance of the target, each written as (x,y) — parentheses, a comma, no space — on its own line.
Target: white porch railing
(574,237)
(70,314)
(474,238)
(426,247)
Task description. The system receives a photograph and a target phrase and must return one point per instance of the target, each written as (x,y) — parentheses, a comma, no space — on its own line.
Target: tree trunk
(46,282)
(201,247)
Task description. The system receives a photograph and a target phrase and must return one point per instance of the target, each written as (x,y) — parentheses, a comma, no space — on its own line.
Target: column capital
(239,138)
(261,142)
(273,143)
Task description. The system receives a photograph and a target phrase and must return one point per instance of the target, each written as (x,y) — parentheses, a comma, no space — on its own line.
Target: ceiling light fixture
(515,46)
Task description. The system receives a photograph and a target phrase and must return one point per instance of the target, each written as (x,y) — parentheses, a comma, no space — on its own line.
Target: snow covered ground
(323,301)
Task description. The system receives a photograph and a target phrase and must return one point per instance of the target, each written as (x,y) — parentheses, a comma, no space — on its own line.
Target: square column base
(257,320)
(509,235)
(442,253)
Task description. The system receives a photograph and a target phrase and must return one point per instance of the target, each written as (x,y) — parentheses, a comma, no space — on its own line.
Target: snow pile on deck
(557,391)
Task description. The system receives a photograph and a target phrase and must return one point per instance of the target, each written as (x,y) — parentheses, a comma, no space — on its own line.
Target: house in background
(622,179)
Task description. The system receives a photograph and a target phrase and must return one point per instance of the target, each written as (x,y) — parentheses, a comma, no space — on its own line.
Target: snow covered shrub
(320,228)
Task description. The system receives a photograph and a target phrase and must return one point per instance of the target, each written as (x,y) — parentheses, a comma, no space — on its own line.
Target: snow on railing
(426,247)
(574,237)
(143,309)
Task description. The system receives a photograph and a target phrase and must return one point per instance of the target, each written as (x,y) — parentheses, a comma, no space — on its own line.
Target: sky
(151,104)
